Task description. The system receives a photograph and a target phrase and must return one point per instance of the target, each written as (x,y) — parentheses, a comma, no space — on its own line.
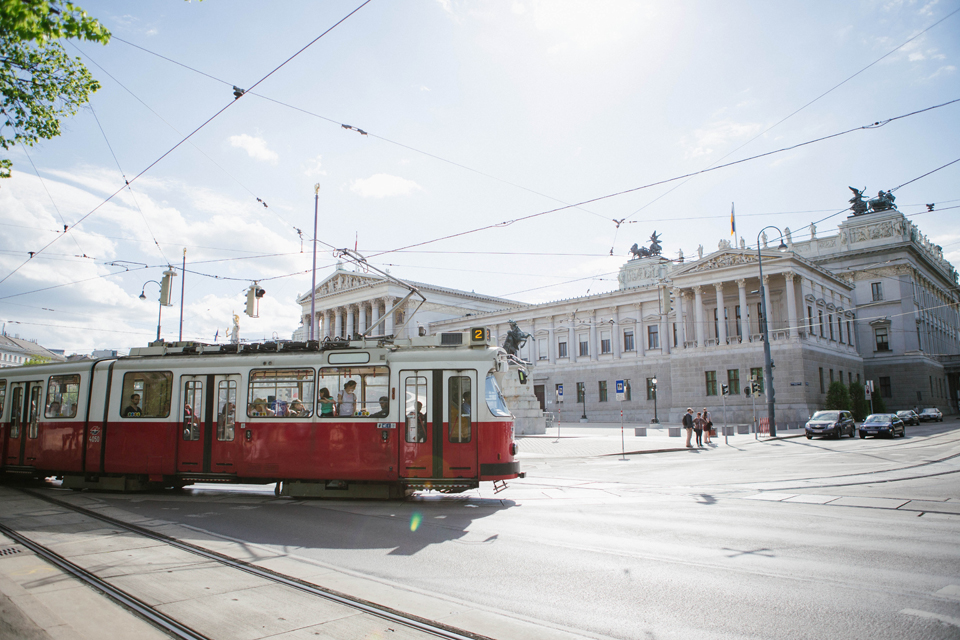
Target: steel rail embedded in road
(120,596)
(386,613)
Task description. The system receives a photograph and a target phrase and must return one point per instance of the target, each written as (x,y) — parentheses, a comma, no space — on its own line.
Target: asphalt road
(772,539)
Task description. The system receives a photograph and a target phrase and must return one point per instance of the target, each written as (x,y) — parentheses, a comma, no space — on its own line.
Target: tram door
(25,405)
(460,409)
(421,428)
(208,407)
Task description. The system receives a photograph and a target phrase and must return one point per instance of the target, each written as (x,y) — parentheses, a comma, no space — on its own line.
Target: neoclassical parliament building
(874,301)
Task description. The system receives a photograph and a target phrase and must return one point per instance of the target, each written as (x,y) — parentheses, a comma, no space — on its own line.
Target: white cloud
(383,185)
(256,148)
(941,71)
(314,168)
(916,56)
(927,9)
(721,134)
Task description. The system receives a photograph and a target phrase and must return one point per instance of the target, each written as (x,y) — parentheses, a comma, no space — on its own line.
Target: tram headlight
(514,448)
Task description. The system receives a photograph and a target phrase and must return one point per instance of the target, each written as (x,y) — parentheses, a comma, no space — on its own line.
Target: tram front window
(495,401)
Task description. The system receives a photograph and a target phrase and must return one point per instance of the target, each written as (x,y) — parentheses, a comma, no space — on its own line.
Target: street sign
(559,393)
(620,391)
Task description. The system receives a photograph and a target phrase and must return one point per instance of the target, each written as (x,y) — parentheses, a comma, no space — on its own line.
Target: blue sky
(478,113)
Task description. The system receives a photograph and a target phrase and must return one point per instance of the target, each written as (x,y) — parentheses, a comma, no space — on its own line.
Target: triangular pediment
(340,281)
(723,259)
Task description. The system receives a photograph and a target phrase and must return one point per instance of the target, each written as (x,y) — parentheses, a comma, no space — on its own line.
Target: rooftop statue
(883,202)
(644,252)
(857,205)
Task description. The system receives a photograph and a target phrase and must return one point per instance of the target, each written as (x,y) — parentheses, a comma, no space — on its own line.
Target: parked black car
(831,423)
(882,424)
(931,414)
(910,418)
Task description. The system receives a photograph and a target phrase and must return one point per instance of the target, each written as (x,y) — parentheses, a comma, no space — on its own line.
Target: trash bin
(729,430)
(673,432)
(743,428)
(639,431)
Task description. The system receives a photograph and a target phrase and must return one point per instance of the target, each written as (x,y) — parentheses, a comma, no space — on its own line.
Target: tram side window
(458,391)
(495,401)
(63,392)
(3,395)
(415,408)
(36,397)
(146,394)
(15,408)
(192,409)
(226,409)
(281,393)
(356,391)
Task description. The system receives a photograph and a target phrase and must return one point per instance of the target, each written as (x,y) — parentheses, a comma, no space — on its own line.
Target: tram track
(180,630)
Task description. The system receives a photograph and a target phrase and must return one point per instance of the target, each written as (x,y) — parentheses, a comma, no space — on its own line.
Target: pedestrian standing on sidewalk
(688,426)
(698,424)
(707,425)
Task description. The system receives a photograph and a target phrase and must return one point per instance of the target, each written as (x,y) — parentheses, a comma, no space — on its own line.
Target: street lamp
(583,399)
(767,361)
(656,420)
(143,296)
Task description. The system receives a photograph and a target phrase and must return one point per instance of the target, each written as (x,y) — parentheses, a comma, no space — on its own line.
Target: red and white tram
(352,419)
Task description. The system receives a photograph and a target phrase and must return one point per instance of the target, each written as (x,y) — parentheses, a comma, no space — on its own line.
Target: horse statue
(515,340)
(883,202)
(644,252)
(857,205)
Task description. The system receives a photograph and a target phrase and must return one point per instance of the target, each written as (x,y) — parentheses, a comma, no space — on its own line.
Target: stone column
(572,346)
(721,315)
(551,341)
(338,322)
(351,320)
(594,345)
(698,313)
(792,305)
(375,316)
(532,341)
(388,323)
(744,311)
(616,334)
(681,321)
(665,337)
(766,303)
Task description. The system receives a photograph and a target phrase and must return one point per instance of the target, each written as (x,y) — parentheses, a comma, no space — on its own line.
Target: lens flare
(415,520)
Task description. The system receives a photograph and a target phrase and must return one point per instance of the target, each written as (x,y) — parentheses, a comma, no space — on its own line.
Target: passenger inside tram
(384,408)
(133,409)
(327,404)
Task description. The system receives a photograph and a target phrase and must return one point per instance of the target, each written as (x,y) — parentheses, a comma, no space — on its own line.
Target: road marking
(932,616)
(950,591)
(808,498)
(772,496)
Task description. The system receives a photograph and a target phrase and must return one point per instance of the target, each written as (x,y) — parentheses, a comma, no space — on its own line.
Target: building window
(733,380)
(831,376)
(562,350)
(840,376)
(653,337)
(605,345)
(858,378)
(839,330)
(881,335)
(822,334)
(584,346)
(737,313)
(885,391)
(602,389)
(849,335)
(756,374)
(830,323)
(760,313)
(628,341)
(821,380)
(674,334)
(809,319)
(542,349)
(876,288)
(711,379)
(716,325)
(581,392)
(849,377)
(627,395)
(650,389)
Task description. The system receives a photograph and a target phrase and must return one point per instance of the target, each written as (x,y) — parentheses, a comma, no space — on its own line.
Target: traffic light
(166,288)
(254,293)
(746,389)
(724,389)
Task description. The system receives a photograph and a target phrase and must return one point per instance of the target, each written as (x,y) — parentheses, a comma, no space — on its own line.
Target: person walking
(688,426)
(707,425)
(698,424)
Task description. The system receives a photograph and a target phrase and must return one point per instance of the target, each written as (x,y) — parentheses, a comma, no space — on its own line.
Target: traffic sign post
(559,409)
(620,394)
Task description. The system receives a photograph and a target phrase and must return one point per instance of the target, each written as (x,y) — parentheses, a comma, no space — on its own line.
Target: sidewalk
(589,439)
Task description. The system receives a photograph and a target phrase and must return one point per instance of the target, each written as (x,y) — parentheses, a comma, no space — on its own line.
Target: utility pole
(313,281)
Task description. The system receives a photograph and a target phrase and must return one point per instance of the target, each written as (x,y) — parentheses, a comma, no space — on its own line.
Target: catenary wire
(192,133)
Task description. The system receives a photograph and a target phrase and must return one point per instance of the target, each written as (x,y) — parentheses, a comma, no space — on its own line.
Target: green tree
(879,406)
(39,83)
(859,405)
(838,397)
(38,360)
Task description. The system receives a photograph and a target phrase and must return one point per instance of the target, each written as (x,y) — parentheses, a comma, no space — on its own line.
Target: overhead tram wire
(825,93)
(124,176)
(875,125)
(359,130)
(52,201)
(194,132)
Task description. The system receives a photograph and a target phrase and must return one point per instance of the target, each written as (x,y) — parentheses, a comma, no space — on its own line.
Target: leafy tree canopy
(838,397)
(858,401)
(38,360)
(39,83)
